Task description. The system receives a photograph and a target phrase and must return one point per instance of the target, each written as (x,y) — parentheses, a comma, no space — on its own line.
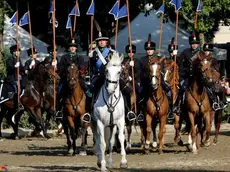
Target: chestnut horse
(157,105)
(197,103)
(170,68)
(75,117)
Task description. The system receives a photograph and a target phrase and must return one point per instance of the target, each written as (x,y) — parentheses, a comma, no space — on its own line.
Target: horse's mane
(115,59)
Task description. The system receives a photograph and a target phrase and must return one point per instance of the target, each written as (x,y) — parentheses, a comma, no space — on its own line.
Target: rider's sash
(101,56)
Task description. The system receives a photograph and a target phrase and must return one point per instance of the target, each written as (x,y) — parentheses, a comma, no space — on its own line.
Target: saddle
(7,91)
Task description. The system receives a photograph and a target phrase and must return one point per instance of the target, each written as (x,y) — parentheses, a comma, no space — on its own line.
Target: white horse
(109,114)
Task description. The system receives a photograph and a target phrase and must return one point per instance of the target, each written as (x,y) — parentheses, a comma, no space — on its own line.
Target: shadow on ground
(90,169)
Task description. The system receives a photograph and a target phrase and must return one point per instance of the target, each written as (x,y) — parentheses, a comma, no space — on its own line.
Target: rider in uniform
(11,78)
(66,60)
(216,88)
(50,57)
(98,60)
(135,63)
(31,63)
(185,67)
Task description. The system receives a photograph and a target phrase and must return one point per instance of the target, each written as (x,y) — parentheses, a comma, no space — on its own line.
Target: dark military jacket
(28,62)
(96,66)
(67,60)
(185,62)
(137,68)
(11,70)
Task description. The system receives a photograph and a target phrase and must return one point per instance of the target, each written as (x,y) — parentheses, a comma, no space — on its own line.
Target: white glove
(17,64)
(90,54)
(174,52)
(54,63)
(131,63)
(26,71)
(130,78)
(32,64)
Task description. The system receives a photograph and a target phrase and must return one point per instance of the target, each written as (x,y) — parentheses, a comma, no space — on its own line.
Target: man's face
(206,53)
(102,43)
(73,49)
(17,53)
(194,46)
(130,54)
(34,56)
(150,52)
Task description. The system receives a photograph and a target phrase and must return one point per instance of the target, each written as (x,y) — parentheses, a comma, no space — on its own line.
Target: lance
(116,32)
(175,58)
(70,29)
(54,50)
(130,46)
(75,17)
(30,29)
(91,37)
(18,60)
(161,32)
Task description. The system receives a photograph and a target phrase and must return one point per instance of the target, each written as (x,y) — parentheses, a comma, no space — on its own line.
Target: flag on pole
(24,20)
(161,9)
(176,4)
(51,8)
(114,10)
(56,22)
(13,19)
(91,9)
(122,12)
(73,11)
(69,24)
(199,9)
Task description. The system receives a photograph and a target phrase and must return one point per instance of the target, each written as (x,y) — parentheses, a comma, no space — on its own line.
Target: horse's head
(51,73)
(113,71)
(155,67)
(205,70)
(72,75)
(169,72)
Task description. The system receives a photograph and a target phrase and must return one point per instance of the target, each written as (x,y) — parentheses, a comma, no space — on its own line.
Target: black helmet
(149,45)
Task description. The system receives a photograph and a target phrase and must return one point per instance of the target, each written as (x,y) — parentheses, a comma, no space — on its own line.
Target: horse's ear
(162,59)
(122,57)
(110,56)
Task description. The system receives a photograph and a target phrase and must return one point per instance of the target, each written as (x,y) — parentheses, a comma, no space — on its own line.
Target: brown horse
(197,103)
(216,115)
(157,105)
(168,79)
(128,94)
(75,117)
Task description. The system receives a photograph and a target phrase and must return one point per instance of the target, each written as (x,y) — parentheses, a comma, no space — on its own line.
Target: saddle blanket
(7,92)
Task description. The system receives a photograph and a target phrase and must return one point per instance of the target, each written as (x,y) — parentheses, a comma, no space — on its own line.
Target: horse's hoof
(195,152)
(2,139)
(207,144)
(70,152)
(154,145)
(99,164)
(180,143)
(189,148)
(128,147)
(104,170)
(124,165)
(83,153)
(146,151)
(160,152)
(109,165)
(146,146)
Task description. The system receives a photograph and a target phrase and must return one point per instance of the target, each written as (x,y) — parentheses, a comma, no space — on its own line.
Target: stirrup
(20,107)
(140,117)
(59,115)
(86,118)
(131,116)
(222,105)
(215,106)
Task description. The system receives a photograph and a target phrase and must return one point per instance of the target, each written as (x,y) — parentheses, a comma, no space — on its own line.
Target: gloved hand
(32,64)
(54,63)
(175,52)
(17,65)
(131,63)
(90,53)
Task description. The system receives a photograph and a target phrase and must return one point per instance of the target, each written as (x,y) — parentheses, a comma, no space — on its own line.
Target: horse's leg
(84,138)
(14,125)
(129,131)
(217,121)
(148,131)
(73,135)
(142,134)
(2,114)
(66,131)
(154,127)
(101,146)
(207,128)
(121,137)
(111,144)
(161,133)
(41,123)
(177,138)
(193,132)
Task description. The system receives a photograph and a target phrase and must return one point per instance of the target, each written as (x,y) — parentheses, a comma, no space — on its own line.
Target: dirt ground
(37,154)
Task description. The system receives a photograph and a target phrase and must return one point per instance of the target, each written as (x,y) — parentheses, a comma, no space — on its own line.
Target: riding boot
(130,115)
(177,105)
(85,88)
(17,105)
(223,100)
(212,98)
(170,113)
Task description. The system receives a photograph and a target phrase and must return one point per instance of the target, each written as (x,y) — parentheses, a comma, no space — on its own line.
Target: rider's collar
(72,53)
(195,50)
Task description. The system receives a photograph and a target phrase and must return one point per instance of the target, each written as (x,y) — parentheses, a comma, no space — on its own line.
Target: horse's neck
(158,93)
(39,85)
(197,88)
(76,91)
